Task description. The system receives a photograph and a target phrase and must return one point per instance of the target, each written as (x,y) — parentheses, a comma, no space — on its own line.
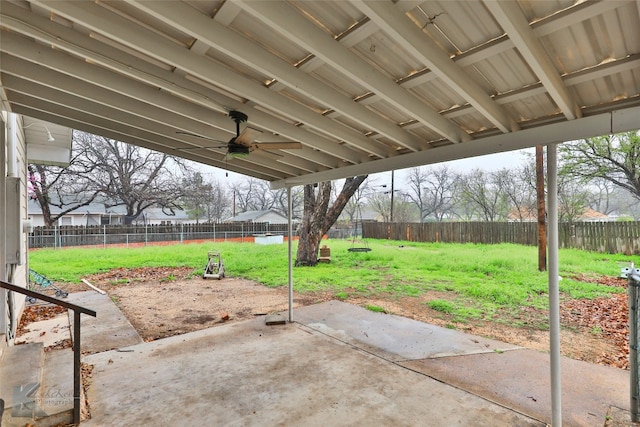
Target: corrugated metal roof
(365,86)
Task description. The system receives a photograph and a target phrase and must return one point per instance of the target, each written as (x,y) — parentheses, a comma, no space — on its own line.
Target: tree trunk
(318,218)
(40,192)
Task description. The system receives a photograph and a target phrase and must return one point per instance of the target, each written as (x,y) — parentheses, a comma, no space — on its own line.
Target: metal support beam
(290,250)
(634,283)
(3,229)
(554,294)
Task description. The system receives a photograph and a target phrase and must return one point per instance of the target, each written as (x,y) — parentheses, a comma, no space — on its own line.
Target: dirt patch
(161,302)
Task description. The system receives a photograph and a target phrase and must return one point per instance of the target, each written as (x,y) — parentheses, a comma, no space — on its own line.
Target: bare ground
(161,302)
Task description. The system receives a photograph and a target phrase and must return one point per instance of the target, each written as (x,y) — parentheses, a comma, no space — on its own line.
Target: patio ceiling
(365,86)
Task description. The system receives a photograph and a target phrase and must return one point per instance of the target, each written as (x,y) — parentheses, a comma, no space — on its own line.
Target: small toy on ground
(215,267)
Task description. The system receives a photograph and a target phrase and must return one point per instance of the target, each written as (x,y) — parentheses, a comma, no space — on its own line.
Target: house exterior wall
(272,218)
(13,266)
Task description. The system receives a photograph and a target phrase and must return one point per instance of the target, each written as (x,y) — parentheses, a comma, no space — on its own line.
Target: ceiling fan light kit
(243,143)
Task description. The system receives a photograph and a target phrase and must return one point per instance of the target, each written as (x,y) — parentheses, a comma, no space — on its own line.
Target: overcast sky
(489,163)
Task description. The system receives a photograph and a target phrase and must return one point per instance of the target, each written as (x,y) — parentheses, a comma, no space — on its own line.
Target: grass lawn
(481,279)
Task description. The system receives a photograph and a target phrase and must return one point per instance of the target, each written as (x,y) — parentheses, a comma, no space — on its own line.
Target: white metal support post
(290,250)
(3,228)
(634,283)
(554,293)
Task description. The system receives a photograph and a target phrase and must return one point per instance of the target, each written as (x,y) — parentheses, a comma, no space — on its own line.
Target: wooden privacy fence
(609,237)
(103,235)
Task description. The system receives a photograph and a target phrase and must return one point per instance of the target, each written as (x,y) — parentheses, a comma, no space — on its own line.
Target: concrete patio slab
(109,330)
(48,332)
(521,380)
(248,373)
(392,337)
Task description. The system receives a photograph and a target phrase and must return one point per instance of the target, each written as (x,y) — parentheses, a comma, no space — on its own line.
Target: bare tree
(404,210)
(196,195)
(131,176)
(573,199)
(280,203)
(480,190)
(519,193)
(64,188)
(218,203)
(246,193)
(602,192)
(380,203)
(432,191)
(67,188)
(319,217)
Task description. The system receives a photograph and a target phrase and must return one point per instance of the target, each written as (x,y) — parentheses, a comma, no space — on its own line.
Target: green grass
(375,308)
(481,279)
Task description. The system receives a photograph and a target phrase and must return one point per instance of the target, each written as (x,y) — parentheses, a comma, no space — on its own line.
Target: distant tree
(353,208)
(573,199)
(218,203)
(131,176)
(614,158)
(246,193)
(280,203)
(520,195)
(602,196)
(65,188)
(404,210)
(431,190)
(319,217)
(481,191)
(380,203)
(196,194)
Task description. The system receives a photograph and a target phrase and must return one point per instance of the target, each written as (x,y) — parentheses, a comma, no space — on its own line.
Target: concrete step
(20,379)
(37,387)
(56,391)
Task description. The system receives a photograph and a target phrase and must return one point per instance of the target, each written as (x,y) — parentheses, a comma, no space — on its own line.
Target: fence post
(146,236)
(214,232)
(242,232)
(181,233)
(55,237)
(104,236)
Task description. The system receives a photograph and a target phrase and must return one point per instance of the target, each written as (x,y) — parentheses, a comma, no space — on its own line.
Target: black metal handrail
(77,310)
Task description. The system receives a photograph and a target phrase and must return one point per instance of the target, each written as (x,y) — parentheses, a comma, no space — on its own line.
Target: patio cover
(365,86)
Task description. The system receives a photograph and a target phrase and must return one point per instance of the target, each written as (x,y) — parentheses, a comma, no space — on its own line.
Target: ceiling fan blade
(200,136)
(247,136)
(204,147)
(277,145)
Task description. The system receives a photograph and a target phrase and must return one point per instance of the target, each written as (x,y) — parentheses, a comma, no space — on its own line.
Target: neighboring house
(97,213)
(155,216)
(589,215)
(270,216)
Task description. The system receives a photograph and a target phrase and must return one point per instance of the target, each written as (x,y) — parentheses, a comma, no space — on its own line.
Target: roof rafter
(294,26)
(65,39)
(187,19)
(146,41)
(395,24)
(512,20)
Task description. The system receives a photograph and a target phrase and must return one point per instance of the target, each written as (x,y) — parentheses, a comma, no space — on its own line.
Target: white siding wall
(14,273)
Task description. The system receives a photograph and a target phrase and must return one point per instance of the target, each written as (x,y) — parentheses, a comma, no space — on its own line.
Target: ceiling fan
(243,143)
